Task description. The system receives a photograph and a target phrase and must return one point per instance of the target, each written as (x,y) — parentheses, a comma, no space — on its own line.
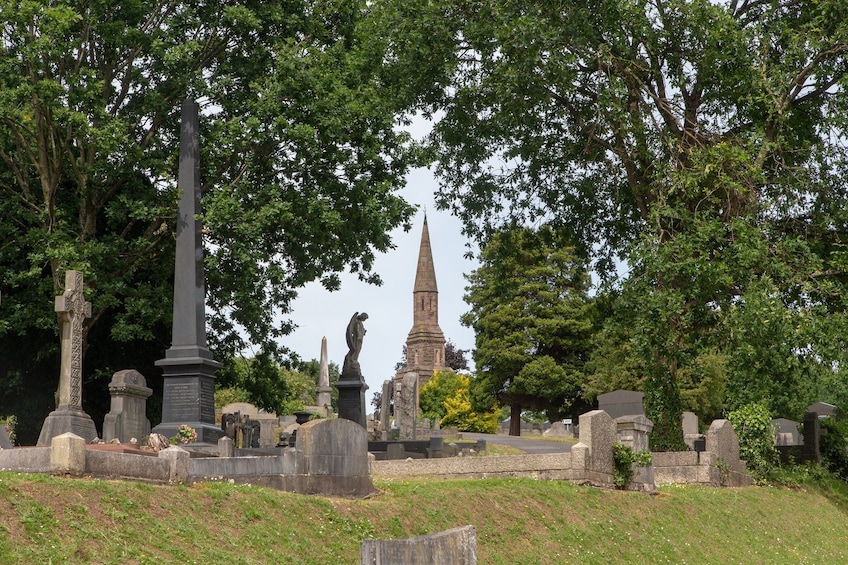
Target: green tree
(459,411)
(701,141)
(531,317)
(300,163)
(432,396)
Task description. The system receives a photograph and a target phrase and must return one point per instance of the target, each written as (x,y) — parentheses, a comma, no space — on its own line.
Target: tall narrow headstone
(72,310)
(324,400)
(188,366)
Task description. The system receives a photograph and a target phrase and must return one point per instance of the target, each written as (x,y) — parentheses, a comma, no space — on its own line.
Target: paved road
(526,445)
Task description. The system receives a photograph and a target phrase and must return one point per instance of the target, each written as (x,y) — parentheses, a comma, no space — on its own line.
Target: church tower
(425,344)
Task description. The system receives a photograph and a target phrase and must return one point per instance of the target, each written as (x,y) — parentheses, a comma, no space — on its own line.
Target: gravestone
(324,399)
(405,405)
(5,442)
(333,456)
(822,409)
(188,367)
(787,432)
(385,410)
(351,384)
(267,435)
(621,403)
(690,429)
(812,437)
(454,547)
(633,431)
(597,435)
(127,417)
(69,416)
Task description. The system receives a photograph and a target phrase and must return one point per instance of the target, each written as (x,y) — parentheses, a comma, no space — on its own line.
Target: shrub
(624,458)
(752,424)
(833,444)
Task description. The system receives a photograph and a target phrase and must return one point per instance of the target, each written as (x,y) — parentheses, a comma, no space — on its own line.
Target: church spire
(425,275)
(425,345)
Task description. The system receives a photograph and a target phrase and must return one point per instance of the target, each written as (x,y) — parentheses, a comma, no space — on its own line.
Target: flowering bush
(185,434)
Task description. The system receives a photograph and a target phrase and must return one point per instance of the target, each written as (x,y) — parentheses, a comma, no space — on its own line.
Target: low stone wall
(547,466)
(719,465)
(32,459)
(590,461)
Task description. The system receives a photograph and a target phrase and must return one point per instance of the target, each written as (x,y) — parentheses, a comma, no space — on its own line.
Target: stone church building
(425,344)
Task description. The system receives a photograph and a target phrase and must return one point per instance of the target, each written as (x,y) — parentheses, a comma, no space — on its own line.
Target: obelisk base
(66,419)
(189,396)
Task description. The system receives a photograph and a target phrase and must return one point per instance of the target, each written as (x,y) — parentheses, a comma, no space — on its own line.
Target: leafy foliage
(833,445)
(300,164)
(752,424)
(702,142)
(531,318)
(460,413)
(432,396)
(624,458)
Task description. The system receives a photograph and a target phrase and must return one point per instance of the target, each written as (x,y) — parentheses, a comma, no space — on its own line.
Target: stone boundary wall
(548,466)
(590,460)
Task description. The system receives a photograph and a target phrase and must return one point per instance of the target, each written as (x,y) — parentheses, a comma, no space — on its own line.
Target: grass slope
(54,520)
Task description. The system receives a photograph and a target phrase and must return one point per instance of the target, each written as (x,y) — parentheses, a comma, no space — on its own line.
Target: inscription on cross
(72,310)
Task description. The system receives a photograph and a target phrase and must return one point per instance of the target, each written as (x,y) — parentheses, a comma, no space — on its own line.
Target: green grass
(54,520)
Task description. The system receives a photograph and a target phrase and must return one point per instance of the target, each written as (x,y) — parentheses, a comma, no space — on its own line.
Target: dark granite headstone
(622,403)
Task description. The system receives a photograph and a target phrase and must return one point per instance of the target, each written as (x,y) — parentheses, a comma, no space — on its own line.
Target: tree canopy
(300,164)
(532,319)
(701,142)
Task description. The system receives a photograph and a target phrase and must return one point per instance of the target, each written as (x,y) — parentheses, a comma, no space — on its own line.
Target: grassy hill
(56,520)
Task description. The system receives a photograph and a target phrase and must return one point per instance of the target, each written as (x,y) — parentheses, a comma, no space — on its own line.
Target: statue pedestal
(352,399)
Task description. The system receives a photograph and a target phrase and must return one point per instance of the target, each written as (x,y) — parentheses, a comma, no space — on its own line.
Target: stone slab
(451,547)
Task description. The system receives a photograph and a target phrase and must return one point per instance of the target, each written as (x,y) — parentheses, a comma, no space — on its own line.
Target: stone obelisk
(69,415)
(188,366)
(324,401)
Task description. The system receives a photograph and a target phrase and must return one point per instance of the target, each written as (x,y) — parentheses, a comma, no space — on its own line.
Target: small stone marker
(456,547)
(127,417)
(69,416)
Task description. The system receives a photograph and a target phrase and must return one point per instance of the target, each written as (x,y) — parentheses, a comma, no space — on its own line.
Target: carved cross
(72,310)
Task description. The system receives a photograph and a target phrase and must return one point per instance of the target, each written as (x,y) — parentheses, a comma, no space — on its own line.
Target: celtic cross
(72,310)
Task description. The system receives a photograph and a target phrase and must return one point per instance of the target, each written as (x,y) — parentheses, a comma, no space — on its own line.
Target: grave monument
(188,366)
(72,310)
(324,400)
(351,385)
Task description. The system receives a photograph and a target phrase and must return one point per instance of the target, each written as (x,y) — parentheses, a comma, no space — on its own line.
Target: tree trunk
(515,420)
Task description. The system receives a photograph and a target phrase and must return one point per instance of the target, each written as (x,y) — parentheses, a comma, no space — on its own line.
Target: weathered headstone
(405,406)
(127,417)
(324,400)
(351,385)
(455,547)
(633,431)
(621,403)
(267,435)
(385,410)
(188,366)
(69,415)
(335,458)
(594,451)
(822,409)
(787,432)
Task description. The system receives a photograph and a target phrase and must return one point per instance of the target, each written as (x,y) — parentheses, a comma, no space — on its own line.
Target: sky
(319,312)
